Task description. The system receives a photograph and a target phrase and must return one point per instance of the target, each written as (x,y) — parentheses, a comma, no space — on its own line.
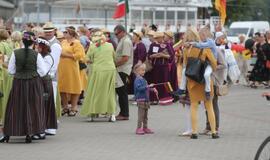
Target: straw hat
(98,36)
(158,35)
(169,33)
(139,34)
(59,34)
(105,30)
(48,27)
(151,33)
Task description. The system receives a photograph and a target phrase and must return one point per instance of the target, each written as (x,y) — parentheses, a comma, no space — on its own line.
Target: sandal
(65,111)
(72,113)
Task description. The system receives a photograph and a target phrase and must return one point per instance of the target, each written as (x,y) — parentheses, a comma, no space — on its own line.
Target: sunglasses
(117,33)
(65,32)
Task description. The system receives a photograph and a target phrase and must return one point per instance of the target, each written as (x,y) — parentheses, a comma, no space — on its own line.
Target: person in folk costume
(160,57)
(5,51)
(43,47)
(196,90)
(25,112)
(56,49)
(168,39)
(139,56)
(70,84)
(16,39)
(82,31)
(102,79)
(178,47)
(147,37)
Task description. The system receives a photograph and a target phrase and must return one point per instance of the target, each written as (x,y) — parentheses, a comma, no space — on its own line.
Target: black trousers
(216,112)
(122,93)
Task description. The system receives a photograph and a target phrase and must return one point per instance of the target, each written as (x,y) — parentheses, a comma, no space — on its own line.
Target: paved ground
(245,122)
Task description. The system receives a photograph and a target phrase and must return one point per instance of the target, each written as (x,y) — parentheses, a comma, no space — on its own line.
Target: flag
(121,9)
(220,5)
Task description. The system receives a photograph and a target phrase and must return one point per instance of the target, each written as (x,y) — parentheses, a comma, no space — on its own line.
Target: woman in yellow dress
(70,85)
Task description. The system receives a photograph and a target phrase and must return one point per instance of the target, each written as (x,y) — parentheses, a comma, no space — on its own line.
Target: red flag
(121,9)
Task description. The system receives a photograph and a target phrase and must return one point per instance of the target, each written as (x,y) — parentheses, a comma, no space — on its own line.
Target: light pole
(38,11)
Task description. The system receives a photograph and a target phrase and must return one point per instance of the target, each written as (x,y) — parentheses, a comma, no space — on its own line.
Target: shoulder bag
(195,68)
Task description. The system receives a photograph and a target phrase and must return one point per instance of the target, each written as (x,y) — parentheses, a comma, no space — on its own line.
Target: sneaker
(148,131)
(207,95)
(140,131)
(50,132)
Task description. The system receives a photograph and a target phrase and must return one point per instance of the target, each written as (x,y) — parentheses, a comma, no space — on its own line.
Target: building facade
(167,14)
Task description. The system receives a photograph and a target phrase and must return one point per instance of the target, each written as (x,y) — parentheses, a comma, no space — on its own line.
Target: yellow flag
(220,5)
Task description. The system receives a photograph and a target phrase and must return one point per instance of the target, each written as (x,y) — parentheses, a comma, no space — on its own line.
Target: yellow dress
(69,79)
(83,74)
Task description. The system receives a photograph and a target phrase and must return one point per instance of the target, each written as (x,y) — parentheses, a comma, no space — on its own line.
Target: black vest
(29,70)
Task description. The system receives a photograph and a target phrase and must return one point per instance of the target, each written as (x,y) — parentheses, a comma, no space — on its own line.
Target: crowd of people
(47,73)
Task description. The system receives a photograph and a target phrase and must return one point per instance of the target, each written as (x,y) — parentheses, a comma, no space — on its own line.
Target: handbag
(268,64)
(222,90)
(195,68)
(82,65)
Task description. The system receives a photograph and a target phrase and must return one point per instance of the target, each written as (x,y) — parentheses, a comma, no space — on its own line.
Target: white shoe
(186,133)
(50,132)
(112,118)
(90,119)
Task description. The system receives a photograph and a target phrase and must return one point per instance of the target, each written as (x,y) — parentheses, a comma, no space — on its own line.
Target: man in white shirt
(123,62)
(56,49)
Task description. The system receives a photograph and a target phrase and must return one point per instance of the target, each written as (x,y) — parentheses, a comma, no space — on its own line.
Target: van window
(236,31)
(251,32)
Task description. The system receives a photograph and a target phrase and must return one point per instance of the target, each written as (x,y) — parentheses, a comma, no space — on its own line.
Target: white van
(248,28)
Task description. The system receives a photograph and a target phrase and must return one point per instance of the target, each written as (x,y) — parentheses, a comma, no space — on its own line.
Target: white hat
(219,34)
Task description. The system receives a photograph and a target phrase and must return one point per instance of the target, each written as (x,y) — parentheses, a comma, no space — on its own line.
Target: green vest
(28,71)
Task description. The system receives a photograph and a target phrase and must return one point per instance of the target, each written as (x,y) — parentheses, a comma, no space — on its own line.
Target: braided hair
(28,40)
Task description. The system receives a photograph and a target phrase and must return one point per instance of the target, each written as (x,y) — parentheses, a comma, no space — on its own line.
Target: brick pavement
(244,125)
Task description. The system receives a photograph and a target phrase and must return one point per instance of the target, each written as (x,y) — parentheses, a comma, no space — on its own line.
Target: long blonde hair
(191,35)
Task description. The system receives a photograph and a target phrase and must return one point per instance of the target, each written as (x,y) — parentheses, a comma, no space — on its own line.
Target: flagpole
(126,19)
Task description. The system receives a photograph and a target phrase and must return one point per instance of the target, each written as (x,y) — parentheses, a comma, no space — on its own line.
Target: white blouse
(56,51)
(41,66)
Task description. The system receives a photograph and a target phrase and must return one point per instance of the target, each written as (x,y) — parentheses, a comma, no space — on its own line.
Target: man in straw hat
(56,49)
(124,61)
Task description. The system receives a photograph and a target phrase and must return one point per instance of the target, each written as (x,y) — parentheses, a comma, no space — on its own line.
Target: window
(170,14)
(160,14)
(236,31)
(181,15)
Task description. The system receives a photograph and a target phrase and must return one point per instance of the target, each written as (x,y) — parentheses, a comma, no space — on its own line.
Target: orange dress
(69,78)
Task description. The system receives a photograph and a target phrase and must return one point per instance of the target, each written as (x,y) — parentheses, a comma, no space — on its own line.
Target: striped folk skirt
(50,111)
(25,112)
